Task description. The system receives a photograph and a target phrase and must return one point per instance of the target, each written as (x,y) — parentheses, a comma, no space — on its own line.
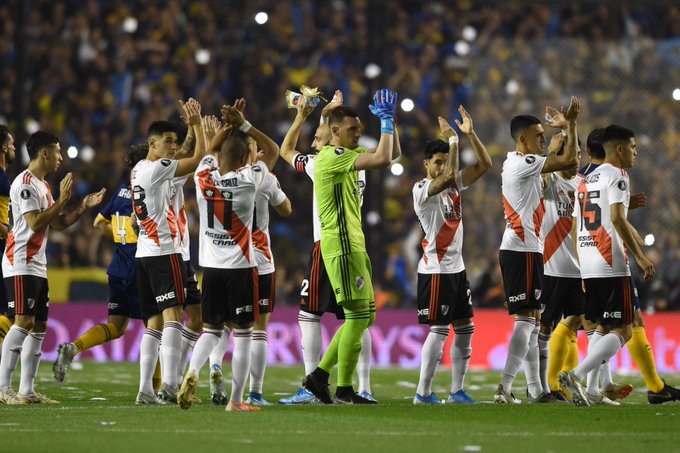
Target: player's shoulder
(420,185)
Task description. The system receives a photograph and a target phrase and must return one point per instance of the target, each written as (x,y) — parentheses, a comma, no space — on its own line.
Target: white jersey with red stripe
(305,163)
(152,187)
(25,249)
(268,193)
(441,218)
(559,256)
(601,250)
(226,204)
(177,205)
(523,205)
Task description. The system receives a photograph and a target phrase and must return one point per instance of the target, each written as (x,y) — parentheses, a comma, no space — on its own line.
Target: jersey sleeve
(618,190)
(420,189)
(459,181)
(107,210)
(260,173)
(163,170)
(300,162)
(273,191)
(528,166)
(28,199)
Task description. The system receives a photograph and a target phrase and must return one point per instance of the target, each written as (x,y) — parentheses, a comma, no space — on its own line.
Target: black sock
(342,392)
(321,375)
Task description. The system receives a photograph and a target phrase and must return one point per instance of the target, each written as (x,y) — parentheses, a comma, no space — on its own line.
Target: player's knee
(25,322)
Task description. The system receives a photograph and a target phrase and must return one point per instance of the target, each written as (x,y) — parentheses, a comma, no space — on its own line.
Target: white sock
(11,352)
(604,350)
(606,375)
(461,351)
(310,326)
(30,360)
(206,343)
(594,375)
(221,348)
(170,349)
(240,363)
(544,357)
(258,360)
(532,365)
(517,349)
(189,338)
(430,356)
(148,358)
(364,363)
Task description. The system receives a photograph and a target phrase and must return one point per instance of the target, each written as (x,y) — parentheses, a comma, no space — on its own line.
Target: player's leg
(204,346)
(560,346)
(14,340)
(151,339)
(259,348)
(315,295)
(364,364)
(5,322)
(461,349)
(192,329)
(218,391)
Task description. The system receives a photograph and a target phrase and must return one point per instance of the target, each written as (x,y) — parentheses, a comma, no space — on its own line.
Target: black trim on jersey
(342,224)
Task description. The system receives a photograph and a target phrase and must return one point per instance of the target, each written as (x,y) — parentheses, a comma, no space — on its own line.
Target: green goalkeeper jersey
(339,193)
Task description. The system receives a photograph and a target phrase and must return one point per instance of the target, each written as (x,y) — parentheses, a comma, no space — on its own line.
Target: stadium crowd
(100,72)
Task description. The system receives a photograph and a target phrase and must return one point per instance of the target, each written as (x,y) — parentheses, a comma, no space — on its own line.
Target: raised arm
(284,209)
(568,159)
(483,164)
(384,103)
(192,117)
(235,117)
(446,178)
(288,151)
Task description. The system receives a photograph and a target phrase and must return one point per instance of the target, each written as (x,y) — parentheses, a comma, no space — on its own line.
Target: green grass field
(97,414)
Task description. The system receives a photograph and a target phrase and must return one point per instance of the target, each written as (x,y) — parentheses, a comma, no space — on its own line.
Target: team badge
(469,295)
(339,151)
(256,168)
(359,282)
(537,294)
(622,185)
(445,309)
(165,162)
(25,194)
(31,303)
(421,184)
(530,159)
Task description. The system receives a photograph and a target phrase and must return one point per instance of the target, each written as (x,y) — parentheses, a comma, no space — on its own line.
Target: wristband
(453,140)
(245,127)
(387,126)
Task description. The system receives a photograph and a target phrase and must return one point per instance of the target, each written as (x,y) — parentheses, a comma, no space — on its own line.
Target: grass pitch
(97,414)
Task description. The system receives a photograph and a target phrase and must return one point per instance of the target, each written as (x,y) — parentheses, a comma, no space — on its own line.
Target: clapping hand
(384,104)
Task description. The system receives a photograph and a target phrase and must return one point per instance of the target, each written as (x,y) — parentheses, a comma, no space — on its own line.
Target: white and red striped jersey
(226,204)
(152,187)
(177,205)
(441,218)
(268,193)
(305,163)
(559,256)
(601,251)
(25,250)
(523,205)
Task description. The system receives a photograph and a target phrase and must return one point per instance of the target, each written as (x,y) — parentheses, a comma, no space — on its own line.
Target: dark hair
(338,114)
(160,127)
(434,147)
(236,145)
(4,134)
(614,132)
(594,143)
(135,153)
(38,141)
(520,123)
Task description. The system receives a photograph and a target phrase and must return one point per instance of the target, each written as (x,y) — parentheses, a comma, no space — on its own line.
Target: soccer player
(7,154)
(338,194)
(114,221)
(159,266)
(24,263)
(603,236)
(520,252)
(316,296)
(657,390)
(444,295)
(226,190)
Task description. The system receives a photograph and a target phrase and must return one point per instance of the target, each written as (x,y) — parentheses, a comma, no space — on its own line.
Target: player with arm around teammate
(444,296)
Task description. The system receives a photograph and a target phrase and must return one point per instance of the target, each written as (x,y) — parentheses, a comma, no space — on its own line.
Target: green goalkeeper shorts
(350,277)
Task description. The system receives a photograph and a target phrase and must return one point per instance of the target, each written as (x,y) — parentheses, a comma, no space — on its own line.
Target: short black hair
(236,145)
(4,134)
(161,127)
(594,143)
(614,132)
(135,153)
(39,140)
(519,123)
(434,147)
(338,114)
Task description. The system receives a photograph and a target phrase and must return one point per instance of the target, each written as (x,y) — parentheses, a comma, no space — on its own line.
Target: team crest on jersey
(622,185)
(537,294)
(359,281)
(530,159)
(165,162)
(257,168)
(30,302)
(421,183)
(25,194)
(445,309)
(581,195)
(339,151)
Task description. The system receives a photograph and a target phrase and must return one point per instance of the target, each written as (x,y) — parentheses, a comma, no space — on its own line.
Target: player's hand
(304,109)
(555,118)
(572,112)
(646,266)
(466,126)
(638,200)
(190,112)
(556,142)
(220,136)
(210,126)
(384,104)
(231,115)
(240,105)
(447,130)
(66,188)
(337,101)
(93,199)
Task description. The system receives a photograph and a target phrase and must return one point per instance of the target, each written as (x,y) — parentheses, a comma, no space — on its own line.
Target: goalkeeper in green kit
(338,193)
